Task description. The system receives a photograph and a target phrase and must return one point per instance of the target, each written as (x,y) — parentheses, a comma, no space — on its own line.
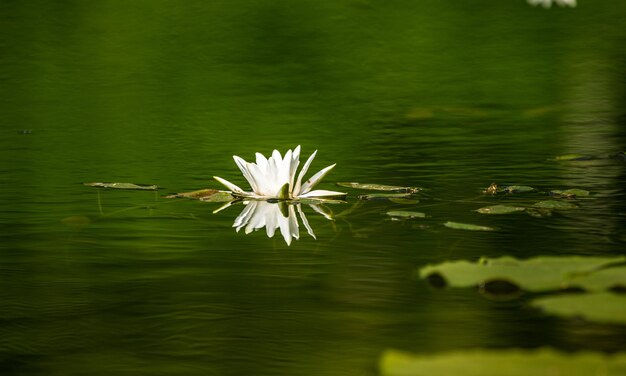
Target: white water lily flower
(548,3)
(275,177)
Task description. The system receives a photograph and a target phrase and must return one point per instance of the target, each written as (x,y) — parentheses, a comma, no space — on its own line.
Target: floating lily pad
(604,307)
(502,363)
(500,209)
(570,193)
(535,274)
(406,214)
(605,279)
(555,205)
(195,194)
(573,157)
(467,226)
(383,196)
(517,189)
(378,187)
(123,186)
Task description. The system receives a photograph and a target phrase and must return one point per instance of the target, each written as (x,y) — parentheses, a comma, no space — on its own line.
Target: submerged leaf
(405,214)
(555,205)
(570,193)
(500,209)
(378,187)
(535,274)
(123,186)
(467,226)
(383,196)
(604,307)
(502,363)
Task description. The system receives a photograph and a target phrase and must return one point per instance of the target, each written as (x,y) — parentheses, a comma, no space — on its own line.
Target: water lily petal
(243,166)
(261,161)
(305,222)
(229,185)
(312,182)
(321,193)
(245,215)
(297,187)
(322,212)
(295,161)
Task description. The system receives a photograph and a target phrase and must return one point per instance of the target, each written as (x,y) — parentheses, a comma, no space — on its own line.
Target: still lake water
(446,96)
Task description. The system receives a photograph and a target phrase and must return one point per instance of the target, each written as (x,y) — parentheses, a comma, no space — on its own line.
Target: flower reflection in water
(276,216)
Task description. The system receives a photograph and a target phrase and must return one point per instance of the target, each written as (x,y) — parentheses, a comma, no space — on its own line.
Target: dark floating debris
(492,189)
(130,186)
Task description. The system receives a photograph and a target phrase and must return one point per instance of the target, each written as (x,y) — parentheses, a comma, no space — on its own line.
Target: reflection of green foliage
(502,363)
(602,307)
(535,274)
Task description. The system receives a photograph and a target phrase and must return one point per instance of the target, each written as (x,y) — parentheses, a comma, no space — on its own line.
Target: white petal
(294,229)
(229,203)
(261,161)
(320,211)
(295,161)
(283,223)
(243,166)
(312,182)
(229,185)
(244,217)
(297,187)
(305,222)
(321,193)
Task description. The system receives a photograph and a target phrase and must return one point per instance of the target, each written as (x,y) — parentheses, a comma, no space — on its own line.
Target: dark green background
(449,96)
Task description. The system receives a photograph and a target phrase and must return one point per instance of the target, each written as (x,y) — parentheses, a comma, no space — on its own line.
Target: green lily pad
(467,226)
(123,186)
(502,363)
(555,205)
(500,209)
(517,189)
(383,196)
(406,214)
(603,307)
(218,197)
(605,279)
(378,187)
(199,194)
(570,193)
(573,157)
(535,274)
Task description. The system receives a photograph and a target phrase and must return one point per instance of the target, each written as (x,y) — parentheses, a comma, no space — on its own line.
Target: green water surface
(448,96)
